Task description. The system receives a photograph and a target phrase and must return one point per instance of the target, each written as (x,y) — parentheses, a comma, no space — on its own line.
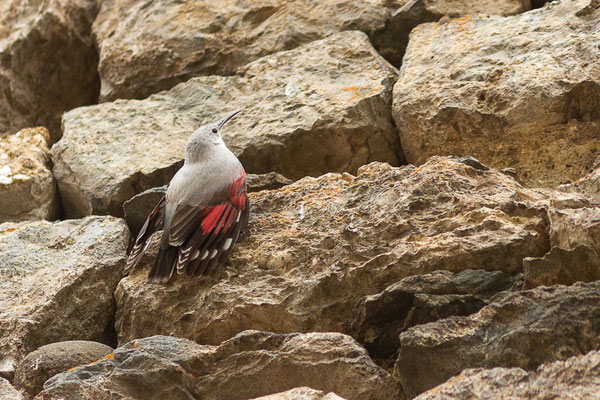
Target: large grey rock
(573,379)
(317,246)
(378,320)
(522,329)
(560,266)
(147,47)
(27,187)
(54,358)
(303,393)
(498,93)
(8,392)
(392,41)
(57,282)
(249,365)
(319,108)
(47,61)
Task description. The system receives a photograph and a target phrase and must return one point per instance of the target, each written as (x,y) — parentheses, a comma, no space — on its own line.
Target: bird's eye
(214,130)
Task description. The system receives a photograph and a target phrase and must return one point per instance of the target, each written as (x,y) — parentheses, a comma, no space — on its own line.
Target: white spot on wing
(195,254)
(213,253)
(227,243)
(204,255)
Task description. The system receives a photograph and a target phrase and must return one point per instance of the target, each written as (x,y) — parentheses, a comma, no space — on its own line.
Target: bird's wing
(199,234)
(153,223)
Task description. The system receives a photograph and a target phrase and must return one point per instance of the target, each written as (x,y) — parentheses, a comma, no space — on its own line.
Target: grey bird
(203,212)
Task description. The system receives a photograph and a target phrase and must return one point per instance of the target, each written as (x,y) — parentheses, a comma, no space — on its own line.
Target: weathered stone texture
(520,91)
(148,47)
(27,187)
(57,282)
(47,61)
(522,329)
(249,365)
(573,379)
(54,358)
(319,108)
(317,246)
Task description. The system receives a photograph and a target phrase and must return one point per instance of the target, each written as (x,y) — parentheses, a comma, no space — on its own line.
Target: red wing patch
(216,233)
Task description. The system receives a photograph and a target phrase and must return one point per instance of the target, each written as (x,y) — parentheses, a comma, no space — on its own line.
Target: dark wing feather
(153,223)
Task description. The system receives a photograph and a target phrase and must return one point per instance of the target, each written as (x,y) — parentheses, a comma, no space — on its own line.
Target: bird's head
(205,137)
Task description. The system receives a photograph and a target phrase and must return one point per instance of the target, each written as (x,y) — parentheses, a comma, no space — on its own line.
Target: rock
(330,112)
(522,329)
(317,246)
(249,365)
(588,185)
(378,320)
(392,42)
(145,48)
(57,282)
(572,379)
(562,267)
(268,181)
(51,359)
(571,227)
(7,392)
(27,188)
(499,95)
(303,393)
(141,205)
(47,61)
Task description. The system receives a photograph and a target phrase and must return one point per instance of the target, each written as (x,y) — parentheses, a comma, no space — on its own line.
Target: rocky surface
(54,358)
(522,329)
(576,225)
(330,112)
(378,320)
(57,282)
(27,187)
(490,87)
(8,392)
(303,393)
(47,61)
(393,40)
(572,379)
(249,365)
(562,267)
(317,246)
(145,48)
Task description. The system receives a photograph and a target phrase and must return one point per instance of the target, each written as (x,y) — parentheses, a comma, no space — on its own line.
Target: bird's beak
(220,125)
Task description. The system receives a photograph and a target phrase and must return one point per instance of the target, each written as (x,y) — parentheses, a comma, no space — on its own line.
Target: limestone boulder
(560,266)
(8,392)
(51,359)
(148,47)
(378,320)
(393,40)
(317,246)
(303,393)
(522,329)
(249,365)
(48,63)
(319,108)
(573,379)
(490,87)
(57,282)
(27,187)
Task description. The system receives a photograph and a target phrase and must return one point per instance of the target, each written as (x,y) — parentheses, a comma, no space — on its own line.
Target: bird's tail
(153,223)
(164,265)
